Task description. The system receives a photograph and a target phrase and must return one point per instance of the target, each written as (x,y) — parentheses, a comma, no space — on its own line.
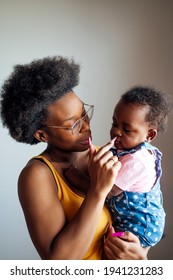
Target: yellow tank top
(71,202)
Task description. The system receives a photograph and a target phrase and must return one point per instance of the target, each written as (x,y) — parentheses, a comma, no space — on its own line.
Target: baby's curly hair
(28,91)
(158,102)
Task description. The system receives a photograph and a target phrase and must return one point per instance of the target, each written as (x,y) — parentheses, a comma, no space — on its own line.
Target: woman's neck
(77,159)
(59,156)
(72,167)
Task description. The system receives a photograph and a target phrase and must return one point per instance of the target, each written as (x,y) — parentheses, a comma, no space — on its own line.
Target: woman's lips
(86,141)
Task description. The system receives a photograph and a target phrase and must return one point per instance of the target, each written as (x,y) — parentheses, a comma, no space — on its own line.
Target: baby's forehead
(133,105)
(130,112)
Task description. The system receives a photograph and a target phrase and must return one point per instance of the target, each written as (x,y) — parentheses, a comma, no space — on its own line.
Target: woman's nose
(85,125)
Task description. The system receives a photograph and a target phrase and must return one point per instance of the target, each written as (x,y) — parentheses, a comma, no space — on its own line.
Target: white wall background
(119,43)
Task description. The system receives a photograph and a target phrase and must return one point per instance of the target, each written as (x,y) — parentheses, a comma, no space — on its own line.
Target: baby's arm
(114,191)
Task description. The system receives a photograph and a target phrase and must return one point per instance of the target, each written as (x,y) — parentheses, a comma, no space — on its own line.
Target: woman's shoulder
(34,166)
(35,176)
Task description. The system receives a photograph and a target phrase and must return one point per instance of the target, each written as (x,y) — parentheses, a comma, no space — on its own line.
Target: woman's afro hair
(158,102)
(28,91)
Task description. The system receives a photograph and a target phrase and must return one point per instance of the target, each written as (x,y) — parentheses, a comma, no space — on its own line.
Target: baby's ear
(152,133)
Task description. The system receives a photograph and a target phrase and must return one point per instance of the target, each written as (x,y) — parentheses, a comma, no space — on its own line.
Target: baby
(136,200)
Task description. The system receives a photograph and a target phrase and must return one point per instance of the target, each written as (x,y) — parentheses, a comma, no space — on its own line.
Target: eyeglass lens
(87,117)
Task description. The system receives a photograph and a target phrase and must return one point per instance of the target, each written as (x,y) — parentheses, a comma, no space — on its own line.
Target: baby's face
(129,125)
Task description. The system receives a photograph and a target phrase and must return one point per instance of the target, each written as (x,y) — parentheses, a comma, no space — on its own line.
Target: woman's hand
(103,168)
(126,247)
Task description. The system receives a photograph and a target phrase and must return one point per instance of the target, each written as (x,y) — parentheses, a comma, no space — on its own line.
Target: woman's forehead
(66,107)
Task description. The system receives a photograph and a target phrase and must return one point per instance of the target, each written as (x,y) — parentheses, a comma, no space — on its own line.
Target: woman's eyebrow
(73,117)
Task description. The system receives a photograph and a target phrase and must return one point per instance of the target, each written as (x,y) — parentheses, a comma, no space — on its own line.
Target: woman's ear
(152,133)
(40,135)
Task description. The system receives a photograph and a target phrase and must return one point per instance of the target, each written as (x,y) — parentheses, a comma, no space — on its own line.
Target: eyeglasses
(76,127)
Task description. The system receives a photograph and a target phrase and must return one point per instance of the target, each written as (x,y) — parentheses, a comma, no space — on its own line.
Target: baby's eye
(126,130)
(114,124)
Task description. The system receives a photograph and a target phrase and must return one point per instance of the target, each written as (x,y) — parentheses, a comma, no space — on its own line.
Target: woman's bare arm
(52,236)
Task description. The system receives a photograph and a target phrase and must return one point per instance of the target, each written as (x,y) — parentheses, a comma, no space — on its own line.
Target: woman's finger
(105,149)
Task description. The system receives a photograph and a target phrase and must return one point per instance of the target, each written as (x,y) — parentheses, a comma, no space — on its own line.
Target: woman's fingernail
(113,140)
(120,233)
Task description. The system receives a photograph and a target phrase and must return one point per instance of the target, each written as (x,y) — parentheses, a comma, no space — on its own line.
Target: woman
(64,221)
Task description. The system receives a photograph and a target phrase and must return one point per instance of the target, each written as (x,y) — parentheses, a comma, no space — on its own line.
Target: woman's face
(65,112)
(129,125)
